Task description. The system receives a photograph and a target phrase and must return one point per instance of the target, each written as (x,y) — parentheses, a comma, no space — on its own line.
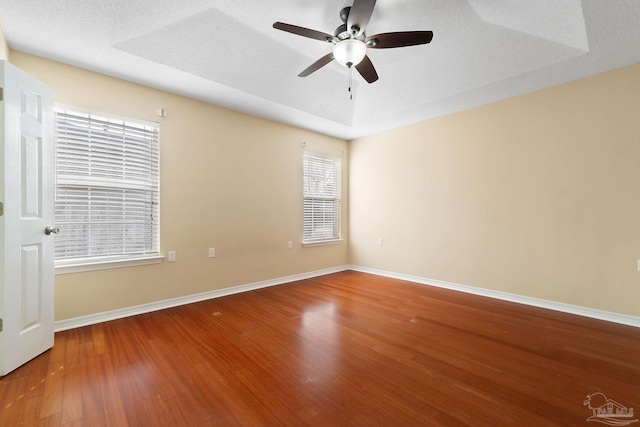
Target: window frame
(336,164)
(119,260)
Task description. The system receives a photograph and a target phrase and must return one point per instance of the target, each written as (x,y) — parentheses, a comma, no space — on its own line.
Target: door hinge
(0,324)
(1,94)
(1,209)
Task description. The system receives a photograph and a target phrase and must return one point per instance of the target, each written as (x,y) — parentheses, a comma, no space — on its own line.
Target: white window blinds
(321,198)
(107,188)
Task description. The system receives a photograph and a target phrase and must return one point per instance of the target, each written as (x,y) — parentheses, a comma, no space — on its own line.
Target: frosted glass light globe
(349,52)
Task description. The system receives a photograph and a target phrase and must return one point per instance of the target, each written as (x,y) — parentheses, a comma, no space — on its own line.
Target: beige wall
(535,195)
(4,48)
(228,181)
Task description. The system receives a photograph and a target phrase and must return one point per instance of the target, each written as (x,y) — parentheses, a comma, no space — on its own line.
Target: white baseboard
(76,322)
(505,296)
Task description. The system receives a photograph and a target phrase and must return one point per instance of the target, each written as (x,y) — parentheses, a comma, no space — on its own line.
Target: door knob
(51,230)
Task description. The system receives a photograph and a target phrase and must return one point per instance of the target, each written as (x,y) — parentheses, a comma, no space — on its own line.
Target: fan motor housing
(342,32)
(344,14)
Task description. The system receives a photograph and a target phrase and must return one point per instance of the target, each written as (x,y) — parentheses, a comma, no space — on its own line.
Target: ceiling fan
(350,42)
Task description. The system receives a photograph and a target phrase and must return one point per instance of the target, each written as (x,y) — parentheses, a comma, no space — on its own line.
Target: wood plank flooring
(338,350)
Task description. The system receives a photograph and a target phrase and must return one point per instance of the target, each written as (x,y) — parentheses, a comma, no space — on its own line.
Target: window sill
(104,265)
(322,243)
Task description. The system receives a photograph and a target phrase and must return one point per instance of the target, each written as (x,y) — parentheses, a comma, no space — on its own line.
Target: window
(321,199)
(107,189)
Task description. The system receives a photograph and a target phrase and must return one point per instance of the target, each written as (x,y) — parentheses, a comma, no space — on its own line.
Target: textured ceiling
(226,52)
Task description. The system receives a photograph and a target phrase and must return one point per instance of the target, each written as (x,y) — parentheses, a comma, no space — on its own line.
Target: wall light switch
(289,244)
(380,241)
(212,252)
(172,256)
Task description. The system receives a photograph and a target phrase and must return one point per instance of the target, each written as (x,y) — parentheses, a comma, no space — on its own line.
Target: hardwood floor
(342,349)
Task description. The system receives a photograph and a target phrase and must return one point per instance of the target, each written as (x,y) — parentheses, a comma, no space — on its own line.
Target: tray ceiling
(227,53)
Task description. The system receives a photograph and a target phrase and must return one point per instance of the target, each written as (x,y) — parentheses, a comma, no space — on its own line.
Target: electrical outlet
(289,244)
(212,252)
(380,241)
(172,256)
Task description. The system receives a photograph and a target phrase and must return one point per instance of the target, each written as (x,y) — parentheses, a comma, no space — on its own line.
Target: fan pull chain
(350,80)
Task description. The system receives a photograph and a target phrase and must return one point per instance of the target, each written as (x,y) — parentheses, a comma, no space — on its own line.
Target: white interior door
(26,194)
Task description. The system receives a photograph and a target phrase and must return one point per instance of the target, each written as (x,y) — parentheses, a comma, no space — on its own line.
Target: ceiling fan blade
(304,32)
(359,15)
(399,39)
(317,65)
(367,70)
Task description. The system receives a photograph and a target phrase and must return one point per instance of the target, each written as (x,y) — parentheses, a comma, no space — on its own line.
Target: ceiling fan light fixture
(350,52)
(350,42)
